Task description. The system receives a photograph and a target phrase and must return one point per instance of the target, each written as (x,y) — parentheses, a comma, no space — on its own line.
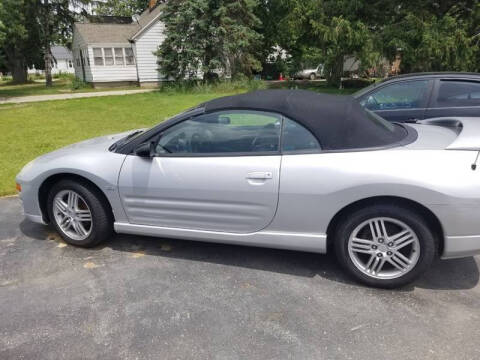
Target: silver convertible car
(285,169)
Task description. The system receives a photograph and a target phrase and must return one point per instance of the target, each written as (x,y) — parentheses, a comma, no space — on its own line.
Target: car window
(403,95)
(297,138)
(237,131)
(458,93)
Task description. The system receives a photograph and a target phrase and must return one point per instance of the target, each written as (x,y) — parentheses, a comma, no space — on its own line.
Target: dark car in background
(424,95)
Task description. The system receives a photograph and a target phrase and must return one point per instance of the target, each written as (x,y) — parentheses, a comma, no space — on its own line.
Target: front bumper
(461,246)
(35,218)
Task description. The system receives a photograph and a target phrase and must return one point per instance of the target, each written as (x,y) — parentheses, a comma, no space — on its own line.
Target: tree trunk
(19,71)
(335,72)
(48,54)
(48,68)
(17,66)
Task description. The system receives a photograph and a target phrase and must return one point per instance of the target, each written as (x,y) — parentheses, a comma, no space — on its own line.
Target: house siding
(111,73)
(146,44)
(78,44)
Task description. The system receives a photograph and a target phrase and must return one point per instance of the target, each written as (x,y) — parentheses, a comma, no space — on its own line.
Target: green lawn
(29,130)
(60,86)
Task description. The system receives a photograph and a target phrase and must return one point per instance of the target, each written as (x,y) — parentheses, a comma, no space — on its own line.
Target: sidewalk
(36,98)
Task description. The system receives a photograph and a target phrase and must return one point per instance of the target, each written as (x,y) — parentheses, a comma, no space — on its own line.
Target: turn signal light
(19,187)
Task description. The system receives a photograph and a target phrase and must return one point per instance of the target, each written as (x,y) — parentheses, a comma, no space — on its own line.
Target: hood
(101,143)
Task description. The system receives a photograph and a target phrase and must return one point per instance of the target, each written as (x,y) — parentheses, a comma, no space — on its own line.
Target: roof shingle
(97,33)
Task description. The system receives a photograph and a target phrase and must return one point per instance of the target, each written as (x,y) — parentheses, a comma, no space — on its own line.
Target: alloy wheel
(384,248)
(72,215)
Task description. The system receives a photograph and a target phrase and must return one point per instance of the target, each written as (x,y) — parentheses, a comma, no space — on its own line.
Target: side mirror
(146,150)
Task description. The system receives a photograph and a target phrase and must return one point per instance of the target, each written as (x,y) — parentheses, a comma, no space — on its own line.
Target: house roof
(106,33)
(61,53)
(96,33)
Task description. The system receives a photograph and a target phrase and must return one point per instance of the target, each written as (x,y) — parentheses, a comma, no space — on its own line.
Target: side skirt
(271,239)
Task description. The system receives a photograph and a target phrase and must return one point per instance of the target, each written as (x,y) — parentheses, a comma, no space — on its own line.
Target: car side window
(458,93)
(403,95)
(234,131)
(297,138)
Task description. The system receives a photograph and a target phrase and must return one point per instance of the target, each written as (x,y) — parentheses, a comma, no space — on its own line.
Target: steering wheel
(262,140)
(198,139)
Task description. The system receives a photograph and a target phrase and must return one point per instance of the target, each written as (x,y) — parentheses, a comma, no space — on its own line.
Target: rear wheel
(385,245)
(313,76)
(79,213)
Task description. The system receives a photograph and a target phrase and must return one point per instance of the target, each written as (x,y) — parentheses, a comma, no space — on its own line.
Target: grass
(31,129)
(60,86)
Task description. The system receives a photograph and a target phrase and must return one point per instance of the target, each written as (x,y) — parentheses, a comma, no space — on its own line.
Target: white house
(62,62)
(111,51)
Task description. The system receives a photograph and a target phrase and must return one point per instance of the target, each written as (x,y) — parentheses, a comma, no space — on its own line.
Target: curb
(9,196)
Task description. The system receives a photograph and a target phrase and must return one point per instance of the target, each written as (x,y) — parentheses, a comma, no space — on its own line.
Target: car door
(217,172)
(455,97)
(399,101)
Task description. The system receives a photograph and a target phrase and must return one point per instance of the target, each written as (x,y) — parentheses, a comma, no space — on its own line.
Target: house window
(119,56)
(97,56)
(130,59)
(108,56)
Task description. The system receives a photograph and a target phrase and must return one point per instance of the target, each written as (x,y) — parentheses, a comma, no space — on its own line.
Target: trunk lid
(447,133)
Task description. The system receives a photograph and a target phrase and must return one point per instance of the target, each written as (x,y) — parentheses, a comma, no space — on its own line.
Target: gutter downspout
(134,49)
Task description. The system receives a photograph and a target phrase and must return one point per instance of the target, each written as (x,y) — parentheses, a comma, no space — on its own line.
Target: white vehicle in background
(310,74)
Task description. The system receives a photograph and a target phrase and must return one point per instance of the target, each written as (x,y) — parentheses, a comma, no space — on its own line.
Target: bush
(63,75)
(79,84)
(356,83)
(217,86)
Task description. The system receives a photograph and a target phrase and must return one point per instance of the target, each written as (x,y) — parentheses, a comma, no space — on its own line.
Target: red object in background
(281,77)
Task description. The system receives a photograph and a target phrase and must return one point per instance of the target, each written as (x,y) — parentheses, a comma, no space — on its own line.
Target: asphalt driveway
(144,298)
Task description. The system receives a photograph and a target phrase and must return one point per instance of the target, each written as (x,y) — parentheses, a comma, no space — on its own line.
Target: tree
(338,28)
(55,19)
(19,37)
(121,7)
(211,36)
(434,36)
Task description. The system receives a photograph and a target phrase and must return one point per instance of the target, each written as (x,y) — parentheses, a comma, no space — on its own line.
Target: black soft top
(337,121)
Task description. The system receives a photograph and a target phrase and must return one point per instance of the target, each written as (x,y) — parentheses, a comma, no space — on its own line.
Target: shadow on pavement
(453,274)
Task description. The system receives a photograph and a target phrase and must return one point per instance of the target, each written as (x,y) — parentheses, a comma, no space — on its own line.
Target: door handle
(259,175)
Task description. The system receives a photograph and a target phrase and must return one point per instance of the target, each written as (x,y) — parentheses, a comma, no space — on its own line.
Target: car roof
(423,75)
(440,74)
(337,121)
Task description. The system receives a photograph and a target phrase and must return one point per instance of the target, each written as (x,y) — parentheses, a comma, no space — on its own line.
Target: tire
(312,76)
(358,255)
(89,199)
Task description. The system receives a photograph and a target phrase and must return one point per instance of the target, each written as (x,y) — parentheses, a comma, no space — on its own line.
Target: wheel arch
(55,178)
(431,219)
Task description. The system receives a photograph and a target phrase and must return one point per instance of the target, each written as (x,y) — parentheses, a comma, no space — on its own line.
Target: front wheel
(385,245)
(79,213)
(313,76)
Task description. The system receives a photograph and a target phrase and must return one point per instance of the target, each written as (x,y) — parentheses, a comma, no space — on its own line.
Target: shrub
(217,86)
(79,84)
(356,83)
